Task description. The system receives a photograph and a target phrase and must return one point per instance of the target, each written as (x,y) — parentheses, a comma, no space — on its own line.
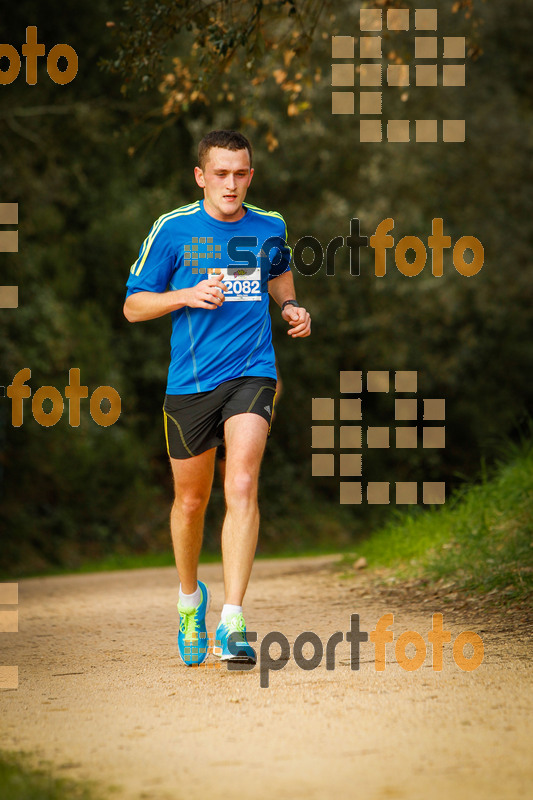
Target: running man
(222,375)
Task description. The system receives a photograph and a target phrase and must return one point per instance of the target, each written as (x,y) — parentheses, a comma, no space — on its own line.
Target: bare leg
(193,478)
(246,436)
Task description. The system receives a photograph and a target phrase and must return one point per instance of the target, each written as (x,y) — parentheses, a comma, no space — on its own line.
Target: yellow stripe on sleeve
(192,208)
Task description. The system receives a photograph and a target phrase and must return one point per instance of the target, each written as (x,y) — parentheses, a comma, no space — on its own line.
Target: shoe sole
(198,663)
(217,651)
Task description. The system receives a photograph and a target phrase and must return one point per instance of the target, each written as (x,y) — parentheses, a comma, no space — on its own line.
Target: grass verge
(166,559)
(481,540)
(20,781)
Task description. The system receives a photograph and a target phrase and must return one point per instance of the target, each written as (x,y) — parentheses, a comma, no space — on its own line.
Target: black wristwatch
(290,303)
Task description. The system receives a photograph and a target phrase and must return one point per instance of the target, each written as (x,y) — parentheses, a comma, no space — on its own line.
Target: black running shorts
(194,423)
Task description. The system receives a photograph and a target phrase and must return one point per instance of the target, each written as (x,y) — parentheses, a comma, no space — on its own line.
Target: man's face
(225,179)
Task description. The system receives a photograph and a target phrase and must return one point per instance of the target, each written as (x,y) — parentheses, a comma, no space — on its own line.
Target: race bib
(244,283)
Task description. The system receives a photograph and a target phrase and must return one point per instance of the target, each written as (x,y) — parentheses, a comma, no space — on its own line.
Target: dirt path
(103,695)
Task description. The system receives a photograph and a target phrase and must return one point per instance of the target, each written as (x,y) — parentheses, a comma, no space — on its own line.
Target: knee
(190,505)
(240,489)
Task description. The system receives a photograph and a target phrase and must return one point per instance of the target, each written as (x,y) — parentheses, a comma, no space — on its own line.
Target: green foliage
(91,169)
(70,493)
(19,781)
(221,31)
(481,540)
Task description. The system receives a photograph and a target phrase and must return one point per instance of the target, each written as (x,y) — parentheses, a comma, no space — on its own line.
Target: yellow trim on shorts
(272,415)
(165,425)
(252,404)
(273,403)
(178,426)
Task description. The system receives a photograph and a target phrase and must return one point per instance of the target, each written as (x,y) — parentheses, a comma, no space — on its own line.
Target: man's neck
(222,218)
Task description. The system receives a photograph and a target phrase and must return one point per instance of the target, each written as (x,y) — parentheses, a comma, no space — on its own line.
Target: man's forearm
(282,288)
(142,306)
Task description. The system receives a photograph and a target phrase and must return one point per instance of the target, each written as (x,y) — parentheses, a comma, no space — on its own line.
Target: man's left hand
(299,320)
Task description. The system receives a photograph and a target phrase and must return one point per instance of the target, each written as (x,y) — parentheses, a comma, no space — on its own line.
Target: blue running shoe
(193,641)
(236,649)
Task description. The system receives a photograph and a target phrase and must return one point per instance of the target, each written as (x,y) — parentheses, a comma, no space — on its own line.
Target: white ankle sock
(191,600)
(228,610)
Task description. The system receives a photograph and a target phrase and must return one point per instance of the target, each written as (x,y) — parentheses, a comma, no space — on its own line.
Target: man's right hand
(141,306)
(208,293)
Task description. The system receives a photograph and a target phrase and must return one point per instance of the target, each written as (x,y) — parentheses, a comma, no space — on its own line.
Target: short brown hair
(229,140)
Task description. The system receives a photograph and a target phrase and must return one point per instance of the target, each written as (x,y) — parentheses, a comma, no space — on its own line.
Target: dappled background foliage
(94,162)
